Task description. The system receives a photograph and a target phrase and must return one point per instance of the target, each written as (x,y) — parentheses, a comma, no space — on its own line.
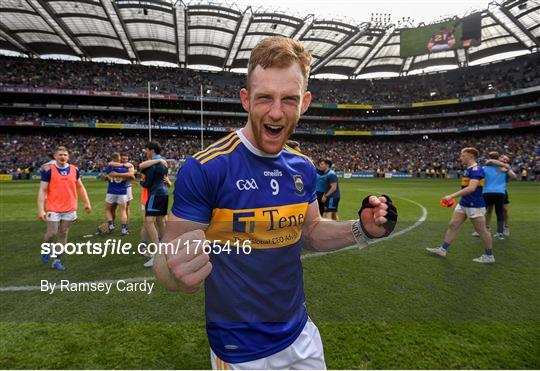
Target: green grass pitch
(390,305)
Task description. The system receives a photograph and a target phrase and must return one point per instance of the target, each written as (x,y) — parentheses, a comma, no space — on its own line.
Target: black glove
(391,217)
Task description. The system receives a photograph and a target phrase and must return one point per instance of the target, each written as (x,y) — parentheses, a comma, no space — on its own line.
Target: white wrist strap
(361,239)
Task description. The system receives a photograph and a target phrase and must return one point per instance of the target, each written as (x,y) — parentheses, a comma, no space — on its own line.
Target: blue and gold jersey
(254,301)
(474,199)
(117,185)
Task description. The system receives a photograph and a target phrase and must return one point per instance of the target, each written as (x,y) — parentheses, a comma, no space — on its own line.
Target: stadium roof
(222,36)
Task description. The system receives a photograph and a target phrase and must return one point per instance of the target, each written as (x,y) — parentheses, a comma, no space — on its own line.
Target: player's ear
(306,101)
(244,98)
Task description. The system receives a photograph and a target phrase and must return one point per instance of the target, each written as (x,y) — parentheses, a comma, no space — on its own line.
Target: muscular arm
(129,176)
(42,195)
(323,234)
(84,195)
(331,190)
(467,190)
(329,235)
(177,232)
(512,174)
(120,164)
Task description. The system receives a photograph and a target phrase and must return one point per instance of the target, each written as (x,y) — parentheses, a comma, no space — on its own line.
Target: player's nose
(276,111)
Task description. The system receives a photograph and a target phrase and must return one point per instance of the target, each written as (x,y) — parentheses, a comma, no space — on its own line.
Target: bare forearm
(128,176)
(328,235)
(148,163)
(41,201)
(331,191)
(464,192)
(83,193)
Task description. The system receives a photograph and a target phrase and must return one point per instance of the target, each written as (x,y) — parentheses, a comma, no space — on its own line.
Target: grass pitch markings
(421,220)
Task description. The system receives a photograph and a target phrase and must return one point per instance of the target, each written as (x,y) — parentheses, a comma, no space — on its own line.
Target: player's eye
(290,100)
(264,98)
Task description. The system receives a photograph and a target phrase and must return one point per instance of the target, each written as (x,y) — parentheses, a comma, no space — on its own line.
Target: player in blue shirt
(505,161)
(495,194)
(322,185)
(471,205)
(117,193)
(128,176)
(327,189)
(251,190)
(156,181)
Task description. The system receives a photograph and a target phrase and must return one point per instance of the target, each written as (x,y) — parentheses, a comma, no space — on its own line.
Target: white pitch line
(422,219)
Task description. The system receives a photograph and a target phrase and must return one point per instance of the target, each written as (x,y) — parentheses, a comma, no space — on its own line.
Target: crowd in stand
(65,74)
(210,121)
(91,152)
(498,77)
(409,155)
(24,153)
(464,82)
(424,124)
(213,121)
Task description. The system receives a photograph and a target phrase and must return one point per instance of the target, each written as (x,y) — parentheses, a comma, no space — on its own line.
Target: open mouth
(273,129)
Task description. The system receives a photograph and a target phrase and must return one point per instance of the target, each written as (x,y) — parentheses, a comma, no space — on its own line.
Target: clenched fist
(378,216)
(189,265)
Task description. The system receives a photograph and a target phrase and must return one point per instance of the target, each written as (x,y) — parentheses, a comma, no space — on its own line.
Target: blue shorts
(332,204)
(157,205)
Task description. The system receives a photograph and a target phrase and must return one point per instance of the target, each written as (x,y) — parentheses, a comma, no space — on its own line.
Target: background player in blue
(497,174)
(505,161)
(124,162)
(249,187)
(117,193)
(330,197)
(156,181)
(471,205)
(503,164)
(322,183)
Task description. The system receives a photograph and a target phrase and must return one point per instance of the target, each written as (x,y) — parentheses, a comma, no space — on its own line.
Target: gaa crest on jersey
(298,185)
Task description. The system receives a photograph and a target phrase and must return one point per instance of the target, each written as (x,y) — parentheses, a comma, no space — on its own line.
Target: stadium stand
(478,80)
(91,152)
(91,106)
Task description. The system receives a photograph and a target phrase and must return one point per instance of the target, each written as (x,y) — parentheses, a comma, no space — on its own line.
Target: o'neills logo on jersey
(274,172)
